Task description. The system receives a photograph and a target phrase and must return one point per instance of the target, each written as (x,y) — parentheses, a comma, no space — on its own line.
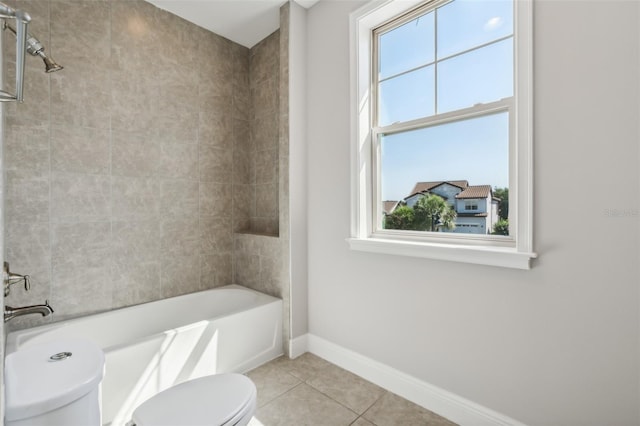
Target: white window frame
(513,252)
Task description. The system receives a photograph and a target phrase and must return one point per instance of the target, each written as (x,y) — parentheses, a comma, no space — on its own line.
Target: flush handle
(60,356)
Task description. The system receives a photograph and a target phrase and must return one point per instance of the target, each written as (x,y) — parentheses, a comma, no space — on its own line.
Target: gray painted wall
(556,345)
(298,189)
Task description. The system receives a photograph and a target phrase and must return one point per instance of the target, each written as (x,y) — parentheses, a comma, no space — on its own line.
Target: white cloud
(493,23)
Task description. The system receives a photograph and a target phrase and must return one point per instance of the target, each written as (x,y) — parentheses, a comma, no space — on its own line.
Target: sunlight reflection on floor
(255,422)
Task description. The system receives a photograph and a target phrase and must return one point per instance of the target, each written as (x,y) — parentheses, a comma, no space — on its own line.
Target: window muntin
(418,122)
(463,65)
(405,48)
(407,96)
(464,25)
(476,77)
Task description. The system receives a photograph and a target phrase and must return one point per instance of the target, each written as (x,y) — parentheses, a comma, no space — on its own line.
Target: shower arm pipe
(22,21)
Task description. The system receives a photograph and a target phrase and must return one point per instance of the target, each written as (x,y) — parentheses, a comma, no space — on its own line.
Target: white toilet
(55,383)
(218,400)
(58,383)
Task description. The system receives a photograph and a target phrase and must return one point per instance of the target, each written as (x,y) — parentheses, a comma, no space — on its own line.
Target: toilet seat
(221,399)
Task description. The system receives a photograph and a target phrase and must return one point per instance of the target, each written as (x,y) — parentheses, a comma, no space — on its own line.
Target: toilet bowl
(218,400)
(55,383)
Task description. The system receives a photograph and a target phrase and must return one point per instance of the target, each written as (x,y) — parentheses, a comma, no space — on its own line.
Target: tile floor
(311,391)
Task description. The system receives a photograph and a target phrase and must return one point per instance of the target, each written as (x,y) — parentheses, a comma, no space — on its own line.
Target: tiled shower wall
(262,253)
(257,247)
(120,168)
(264,81)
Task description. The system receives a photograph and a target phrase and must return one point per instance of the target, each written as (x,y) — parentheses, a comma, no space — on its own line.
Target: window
(471,205)
(441,113)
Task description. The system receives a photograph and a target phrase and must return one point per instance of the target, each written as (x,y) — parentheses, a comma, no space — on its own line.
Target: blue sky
(475,150)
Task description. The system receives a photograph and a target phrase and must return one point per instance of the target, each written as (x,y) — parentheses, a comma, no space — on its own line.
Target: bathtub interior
(237,338)
(108,329)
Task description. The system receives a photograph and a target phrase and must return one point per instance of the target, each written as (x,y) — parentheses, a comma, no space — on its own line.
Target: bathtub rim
(15,338)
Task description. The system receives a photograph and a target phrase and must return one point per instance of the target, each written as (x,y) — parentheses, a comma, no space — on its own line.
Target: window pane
(407,97)
(480,76)
(464,24)
(407,47)
(475,151)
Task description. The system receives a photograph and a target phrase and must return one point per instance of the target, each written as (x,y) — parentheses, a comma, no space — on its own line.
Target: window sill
(480,255)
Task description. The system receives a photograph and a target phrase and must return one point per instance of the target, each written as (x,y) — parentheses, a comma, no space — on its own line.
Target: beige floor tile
(304,367)
(392,410)
(272,380)
(346,388)
(304,406)
(307,366)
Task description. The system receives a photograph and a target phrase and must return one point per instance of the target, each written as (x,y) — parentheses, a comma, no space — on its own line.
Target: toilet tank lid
(208,400)
(43,377)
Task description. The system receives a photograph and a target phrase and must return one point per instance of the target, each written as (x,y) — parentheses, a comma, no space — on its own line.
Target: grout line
(275,398)
(50,222)
(369,408)
(111,237)
(333,399)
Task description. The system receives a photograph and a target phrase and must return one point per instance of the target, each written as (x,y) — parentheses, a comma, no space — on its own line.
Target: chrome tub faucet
(10,312)
(11,278)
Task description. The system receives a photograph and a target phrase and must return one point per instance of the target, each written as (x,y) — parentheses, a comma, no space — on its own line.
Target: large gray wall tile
(135,198)
(216,164)
(80,150)
(135,282)
(180,238)
(26,200)
(78,197)
(137,241)
(180,199)
(178,160)
(128,171)
(216,199)
(26,151)
(216,270)
(81,280)
(180,275)
(216,234)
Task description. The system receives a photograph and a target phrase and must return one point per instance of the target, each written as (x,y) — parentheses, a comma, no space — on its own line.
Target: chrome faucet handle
(11,278)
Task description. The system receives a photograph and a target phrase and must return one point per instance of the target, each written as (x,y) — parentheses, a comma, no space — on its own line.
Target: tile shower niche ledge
(259,234)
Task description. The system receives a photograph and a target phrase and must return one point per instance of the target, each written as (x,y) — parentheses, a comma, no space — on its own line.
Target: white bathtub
(156,345)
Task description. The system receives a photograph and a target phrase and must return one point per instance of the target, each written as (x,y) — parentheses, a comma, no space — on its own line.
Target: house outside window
(441,91)
(475,207)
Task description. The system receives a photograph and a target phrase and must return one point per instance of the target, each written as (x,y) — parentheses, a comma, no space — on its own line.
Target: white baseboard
(298,346)
(440,401)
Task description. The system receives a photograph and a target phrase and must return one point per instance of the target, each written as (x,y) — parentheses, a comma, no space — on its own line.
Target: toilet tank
(54,383)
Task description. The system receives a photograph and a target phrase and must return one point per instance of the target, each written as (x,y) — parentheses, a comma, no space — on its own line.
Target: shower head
(35,48)
(49,64)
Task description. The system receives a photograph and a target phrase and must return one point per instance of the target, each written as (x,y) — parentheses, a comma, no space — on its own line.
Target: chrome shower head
(35,48)
(49,63)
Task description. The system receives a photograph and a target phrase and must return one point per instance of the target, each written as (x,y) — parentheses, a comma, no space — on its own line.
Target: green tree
(433,213)
(501,227)
(503,205)
(401,218)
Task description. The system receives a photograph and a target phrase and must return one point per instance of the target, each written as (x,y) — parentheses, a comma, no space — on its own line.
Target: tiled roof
(427,186)
(422,194)
(389,206)
(475,191)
